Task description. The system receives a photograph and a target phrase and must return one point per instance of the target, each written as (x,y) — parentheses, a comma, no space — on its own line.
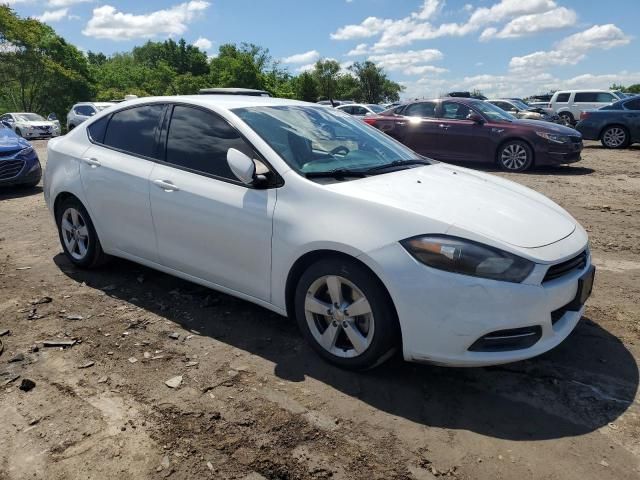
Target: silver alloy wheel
(339,316)
(566,120)
(75,233)
(614,137)
(514,156)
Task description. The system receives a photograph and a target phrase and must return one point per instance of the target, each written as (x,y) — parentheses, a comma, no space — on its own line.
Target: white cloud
(361,49)
(66,3)
(531,24)
(429,9)
(203,43)
(410,62)
(51,16)
(306,57)
(369,27)
(573,48)
(108,22)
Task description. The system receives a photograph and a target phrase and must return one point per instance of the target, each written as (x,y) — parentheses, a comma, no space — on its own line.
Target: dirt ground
(255,402)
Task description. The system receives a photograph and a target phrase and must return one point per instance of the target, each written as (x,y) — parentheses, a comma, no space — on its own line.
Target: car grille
(44,129)
(10,169)
(576,263)
(9,153)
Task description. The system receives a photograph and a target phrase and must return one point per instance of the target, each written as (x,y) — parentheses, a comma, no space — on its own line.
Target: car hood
(547,127)
(470,201)
(9,141)
(37,123)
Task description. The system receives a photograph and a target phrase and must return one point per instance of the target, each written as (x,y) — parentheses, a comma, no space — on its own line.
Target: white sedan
(31,125)
(361,109)
(313,214)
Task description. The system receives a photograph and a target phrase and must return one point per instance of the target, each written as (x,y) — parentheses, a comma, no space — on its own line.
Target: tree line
(41,72)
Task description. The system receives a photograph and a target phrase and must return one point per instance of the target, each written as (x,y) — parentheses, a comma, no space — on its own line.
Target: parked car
(360,109)
(616,126)
(465,95)
(369,246)
(19,163)
(31,125)
(521,110)
(83,111)
(335,103)
(468,130)
(234,91)
(570,103)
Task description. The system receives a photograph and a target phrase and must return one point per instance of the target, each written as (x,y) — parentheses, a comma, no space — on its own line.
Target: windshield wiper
(337,173)
(397,163)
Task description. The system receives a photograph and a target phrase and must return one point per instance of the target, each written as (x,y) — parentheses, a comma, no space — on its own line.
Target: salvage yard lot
(255,402)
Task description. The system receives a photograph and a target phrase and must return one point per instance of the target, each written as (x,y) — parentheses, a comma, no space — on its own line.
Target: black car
(616,125)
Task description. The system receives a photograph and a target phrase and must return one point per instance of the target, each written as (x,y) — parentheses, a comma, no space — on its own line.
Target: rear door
(115,176)
(460,139)
(632,116)
(418,129)
(208,224)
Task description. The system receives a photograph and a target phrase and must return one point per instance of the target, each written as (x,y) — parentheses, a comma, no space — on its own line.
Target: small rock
(59,343)
(165,463)
(19,357)
(210,466)
(27,385)
(74,317)
(604,463)
(103,379)
(23,268)
(133,360)
(42,300)
(191,364)
(240,368)
(4,332)
(87,365)
(174,336)
(147,355)
(174,382)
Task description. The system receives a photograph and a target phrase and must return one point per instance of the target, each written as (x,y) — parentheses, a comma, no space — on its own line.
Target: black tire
(94,256)
(567,119)
(510,163)
(386,333)
(615,137)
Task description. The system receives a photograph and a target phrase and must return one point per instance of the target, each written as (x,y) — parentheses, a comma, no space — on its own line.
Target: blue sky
(503,47)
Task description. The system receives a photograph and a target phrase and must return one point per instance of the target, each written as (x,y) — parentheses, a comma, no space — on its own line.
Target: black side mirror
(475,118)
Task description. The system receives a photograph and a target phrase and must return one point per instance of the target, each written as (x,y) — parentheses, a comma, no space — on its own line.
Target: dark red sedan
(468,130)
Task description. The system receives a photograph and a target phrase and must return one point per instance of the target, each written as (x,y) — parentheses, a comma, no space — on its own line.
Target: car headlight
(466,257)
(554,137)
(25,152)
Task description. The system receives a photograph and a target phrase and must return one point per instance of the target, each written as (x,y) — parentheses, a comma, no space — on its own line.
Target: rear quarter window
(562,98)
(97,129)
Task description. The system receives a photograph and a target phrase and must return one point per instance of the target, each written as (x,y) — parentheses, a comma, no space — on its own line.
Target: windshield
(29,117)
(376,108)
(315,139)
(492,112)
(520,105)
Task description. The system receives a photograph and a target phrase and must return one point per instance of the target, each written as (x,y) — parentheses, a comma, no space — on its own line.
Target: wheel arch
(609,125)
(60,198)
(305,261)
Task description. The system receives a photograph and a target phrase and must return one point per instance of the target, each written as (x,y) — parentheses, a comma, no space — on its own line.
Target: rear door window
(421,109)
(134,130)
(586,97)
(562,98)
(605,97)
(633,104)
(97,129)
(198,141)
(455,111)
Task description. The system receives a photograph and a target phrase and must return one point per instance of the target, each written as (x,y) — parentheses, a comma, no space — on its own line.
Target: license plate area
(585,287)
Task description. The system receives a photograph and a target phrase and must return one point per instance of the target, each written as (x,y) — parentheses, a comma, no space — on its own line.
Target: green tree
(241,66)
(348,88)
(326,75)
(635,88)
(179,56)
(373,84)
(305,87)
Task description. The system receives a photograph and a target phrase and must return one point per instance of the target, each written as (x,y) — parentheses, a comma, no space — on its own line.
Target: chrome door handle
(442,125)
(166,185)
(94,162)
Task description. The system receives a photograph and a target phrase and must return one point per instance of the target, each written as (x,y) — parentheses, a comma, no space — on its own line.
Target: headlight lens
(554,137)
(25,152)
(468,258)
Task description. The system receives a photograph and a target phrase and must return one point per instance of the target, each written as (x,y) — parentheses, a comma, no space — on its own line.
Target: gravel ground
(252,401)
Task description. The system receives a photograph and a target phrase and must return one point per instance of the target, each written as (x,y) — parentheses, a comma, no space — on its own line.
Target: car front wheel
(515,156)
(614,137)
(77,235)
(567,119)
(346,314)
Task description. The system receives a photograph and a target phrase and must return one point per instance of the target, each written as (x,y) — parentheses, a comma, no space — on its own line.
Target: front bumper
(442,315)
(37,135)
(30,173)
(558,154)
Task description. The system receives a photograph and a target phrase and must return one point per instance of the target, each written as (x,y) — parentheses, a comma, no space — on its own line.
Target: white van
(570,103)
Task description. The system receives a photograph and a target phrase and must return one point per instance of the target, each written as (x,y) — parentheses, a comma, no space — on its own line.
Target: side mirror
(475,118)
(241,165)
(52,117)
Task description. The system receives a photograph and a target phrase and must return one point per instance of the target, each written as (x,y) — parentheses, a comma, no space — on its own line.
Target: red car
(468,130)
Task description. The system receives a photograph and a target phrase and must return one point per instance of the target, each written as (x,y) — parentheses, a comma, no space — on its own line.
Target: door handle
(442,125)
(94,162)
(166,185)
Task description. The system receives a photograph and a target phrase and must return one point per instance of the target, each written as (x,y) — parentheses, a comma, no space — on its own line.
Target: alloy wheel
(75,233)
(339,316)
(514,156)
(614,137)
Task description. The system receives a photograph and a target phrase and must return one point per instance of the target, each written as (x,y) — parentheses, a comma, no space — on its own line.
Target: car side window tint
(455,111)
(348,110)
(199,140)
(586,97)
(633,104)
(97,129)
(134,130)
(421,109)
(359,111)
(562,98)
(605,97)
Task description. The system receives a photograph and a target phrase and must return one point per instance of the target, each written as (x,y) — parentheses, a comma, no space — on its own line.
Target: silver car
(31,125)
(361,109)
(82,111)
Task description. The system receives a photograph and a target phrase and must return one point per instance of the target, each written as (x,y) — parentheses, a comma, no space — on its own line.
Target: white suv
(82,111)
(570,103)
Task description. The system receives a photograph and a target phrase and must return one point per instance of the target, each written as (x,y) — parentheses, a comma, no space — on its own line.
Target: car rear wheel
(78,236)
(615,136)
(567,119)
(346,315)
(515,156)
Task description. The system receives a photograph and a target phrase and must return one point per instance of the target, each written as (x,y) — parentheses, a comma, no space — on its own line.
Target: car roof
(221,101)
(584,90)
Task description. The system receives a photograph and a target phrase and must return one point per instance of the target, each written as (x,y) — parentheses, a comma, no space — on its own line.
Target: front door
(209,225)
(460,139)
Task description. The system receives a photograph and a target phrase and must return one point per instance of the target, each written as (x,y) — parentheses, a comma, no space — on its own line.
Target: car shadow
(561,170)
(9,193)
(598,146)
(584,384)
